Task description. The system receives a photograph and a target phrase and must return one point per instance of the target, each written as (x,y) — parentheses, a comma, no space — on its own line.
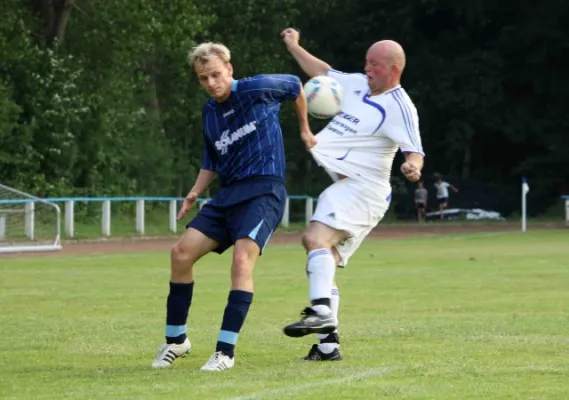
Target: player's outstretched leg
(318,240)
(177,342)
(191,247)
(318,318)
(329,347)
(240,298)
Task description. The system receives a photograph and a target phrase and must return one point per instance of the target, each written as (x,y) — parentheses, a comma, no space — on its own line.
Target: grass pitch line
(269,393)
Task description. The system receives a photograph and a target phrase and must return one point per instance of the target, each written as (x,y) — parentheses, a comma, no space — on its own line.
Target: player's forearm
(301,108)
(416,159)
(311,65)
(205,177)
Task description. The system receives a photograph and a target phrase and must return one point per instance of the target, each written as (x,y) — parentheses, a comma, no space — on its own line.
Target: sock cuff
(330,338)
(240,296)
(181,287)
(320,252)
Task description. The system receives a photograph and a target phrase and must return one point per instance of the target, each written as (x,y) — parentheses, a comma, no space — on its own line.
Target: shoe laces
(214,359)
(162,350)
(308,311)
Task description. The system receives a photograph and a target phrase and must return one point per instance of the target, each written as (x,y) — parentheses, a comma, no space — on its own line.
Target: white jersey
(442,189)
(361,141)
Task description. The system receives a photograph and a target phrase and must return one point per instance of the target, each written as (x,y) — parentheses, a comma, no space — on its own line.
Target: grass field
(476,316)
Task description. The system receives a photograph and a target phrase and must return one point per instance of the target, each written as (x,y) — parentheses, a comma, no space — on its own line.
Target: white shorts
(351,206)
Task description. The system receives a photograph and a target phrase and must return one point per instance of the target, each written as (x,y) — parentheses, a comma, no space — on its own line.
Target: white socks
(334,305)
(327,348)
(321,268)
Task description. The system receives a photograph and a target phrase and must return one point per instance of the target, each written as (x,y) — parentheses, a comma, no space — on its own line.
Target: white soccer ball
(324,96)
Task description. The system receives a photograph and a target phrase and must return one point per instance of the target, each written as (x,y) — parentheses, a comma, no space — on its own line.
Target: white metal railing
(140,212)
(566,209)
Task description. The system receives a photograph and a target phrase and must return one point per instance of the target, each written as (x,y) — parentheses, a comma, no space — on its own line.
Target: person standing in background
(442,192)
(421,196)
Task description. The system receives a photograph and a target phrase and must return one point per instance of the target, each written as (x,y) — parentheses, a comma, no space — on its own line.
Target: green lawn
(478,316)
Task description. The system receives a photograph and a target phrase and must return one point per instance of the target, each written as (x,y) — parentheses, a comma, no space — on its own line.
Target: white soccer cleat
(167,353)
(218,362)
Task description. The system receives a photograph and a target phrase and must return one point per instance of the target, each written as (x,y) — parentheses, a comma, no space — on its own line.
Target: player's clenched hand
(308,139)
(290,36)
(410,171)
(187,204)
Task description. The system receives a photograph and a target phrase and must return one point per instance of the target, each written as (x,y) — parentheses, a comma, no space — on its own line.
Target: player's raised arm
(311,65)
(281,87)
(301,107)
(271,87)
(278,88)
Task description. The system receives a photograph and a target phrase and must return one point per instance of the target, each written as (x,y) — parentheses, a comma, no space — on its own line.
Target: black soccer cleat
(311,322)
(316,355)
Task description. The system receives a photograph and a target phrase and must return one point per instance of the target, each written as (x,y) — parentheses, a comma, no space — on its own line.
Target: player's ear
(230,69)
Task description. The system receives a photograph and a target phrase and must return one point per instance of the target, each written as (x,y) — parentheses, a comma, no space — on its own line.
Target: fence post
(567,211)
(70,218)
(2,226)
(286,220)
(140,217)
(309,209)
(106,219)
(172,216)
(30,219)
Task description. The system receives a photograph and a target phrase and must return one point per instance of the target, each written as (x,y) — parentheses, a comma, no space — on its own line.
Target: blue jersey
(242,135)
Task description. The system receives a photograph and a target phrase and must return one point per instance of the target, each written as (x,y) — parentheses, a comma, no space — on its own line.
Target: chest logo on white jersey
(227,139)
(342,123)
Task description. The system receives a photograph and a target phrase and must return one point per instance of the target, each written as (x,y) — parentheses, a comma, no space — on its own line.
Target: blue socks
(177,307)
(233,318)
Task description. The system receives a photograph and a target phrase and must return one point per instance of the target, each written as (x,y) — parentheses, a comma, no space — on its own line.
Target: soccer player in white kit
(357,149)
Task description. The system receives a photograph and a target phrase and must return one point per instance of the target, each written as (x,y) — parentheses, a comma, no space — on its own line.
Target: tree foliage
(97,98)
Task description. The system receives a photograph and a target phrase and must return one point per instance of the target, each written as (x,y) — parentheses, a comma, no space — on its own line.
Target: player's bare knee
(242,266)
(242,258)
(181,258)
(312,241)
(245,254)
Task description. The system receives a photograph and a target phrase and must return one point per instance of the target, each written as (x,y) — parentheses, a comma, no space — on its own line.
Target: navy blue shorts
(251,208)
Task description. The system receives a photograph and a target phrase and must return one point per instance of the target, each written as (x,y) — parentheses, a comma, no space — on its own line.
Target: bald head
(389,50)
(385,61)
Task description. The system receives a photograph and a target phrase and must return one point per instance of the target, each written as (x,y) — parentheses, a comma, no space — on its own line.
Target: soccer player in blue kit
(243,146)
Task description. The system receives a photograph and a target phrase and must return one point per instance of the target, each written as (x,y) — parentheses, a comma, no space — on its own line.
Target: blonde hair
(208,51)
